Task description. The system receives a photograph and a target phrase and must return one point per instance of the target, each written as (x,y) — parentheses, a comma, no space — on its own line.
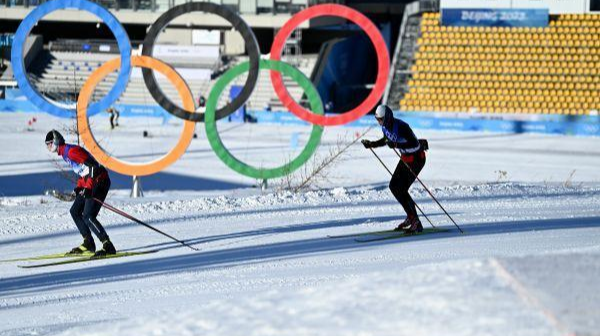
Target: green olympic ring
(231,161)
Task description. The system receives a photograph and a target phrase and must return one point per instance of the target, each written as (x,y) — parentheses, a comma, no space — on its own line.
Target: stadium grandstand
(503,69)
(60,75)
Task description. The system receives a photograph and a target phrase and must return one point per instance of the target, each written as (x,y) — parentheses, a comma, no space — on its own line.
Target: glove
(86,193)
(424,144)
(390,144)
(367,143)
(77,191)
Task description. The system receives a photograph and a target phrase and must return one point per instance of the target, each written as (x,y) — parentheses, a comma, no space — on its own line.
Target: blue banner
(12,106)
(6,40)
(127,110)
(476,17)
(240,114)
(17,102)
(14,94)
(548,124)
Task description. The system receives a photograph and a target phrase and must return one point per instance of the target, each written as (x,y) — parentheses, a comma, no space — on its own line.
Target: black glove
(424,144)
(77,191)
(367,143)
(86,193)
(390,144)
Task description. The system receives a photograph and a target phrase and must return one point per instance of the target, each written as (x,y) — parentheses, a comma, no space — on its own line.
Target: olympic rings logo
(187,112)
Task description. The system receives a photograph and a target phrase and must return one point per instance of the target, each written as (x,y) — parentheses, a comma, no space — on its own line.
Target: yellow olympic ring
(126,168)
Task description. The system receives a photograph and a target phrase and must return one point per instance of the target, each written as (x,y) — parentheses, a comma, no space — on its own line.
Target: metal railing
(412,9)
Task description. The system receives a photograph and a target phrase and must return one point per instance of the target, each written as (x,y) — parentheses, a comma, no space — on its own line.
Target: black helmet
(55,137)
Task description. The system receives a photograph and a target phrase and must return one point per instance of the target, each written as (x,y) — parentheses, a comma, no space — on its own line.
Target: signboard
(185,51)
(206,37)
(472,17)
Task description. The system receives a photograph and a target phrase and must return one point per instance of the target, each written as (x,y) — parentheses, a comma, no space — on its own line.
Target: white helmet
(381,111)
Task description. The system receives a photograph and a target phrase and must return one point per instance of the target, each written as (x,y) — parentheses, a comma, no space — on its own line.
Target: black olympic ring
(238,23)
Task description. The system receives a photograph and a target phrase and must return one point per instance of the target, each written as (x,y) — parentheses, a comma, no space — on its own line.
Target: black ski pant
(114,119)
(84,211)
(403,178)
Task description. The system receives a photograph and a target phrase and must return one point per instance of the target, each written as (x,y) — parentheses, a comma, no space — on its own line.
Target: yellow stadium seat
(495,68)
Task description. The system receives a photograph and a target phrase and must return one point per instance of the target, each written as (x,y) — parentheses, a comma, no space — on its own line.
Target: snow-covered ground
(528,264)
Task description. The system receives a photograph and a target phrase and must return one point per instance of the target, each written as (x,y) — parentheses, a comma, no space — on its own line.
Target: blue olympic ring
(19,67)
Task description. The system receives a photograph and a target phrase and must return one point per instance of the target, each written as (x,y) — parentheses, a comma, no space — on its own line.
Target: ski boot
(107,249)
(415,226)
(87,246)
(403,225)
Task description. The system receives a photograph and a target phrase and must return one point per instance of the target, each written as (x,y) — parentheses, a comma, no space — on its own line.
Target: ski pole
(430,194)
(126,215)
(386,168)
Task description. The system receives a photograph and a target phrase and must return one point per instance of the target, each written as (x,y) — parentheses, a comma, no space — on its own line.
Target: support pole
(136,190)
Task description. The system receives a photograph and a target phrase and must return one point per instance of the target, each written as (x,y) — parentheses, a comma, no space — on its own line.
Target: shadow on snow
(38,183)
(260,253)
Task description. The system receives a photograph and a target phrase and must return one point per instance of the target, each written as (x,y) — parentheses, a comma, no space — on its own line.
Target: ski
(399,235)
(362,234)
(91,258)
(50,256)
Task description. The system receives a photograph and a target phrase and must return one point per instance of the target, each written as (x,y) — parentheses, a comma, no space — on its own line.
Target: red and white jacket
(82,164)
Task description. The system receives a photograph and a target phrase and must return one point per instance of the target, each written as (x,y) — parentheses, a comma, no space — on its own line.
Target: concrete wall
(33,45)
(234,43)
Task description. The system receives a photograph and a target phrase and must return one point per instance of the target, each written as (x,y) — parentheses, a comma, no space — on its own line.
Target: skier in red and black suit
(93,182)
(398,134)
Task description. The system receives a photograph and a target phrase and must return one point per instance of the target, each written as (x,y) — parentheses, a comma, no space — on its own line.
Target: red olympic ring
(383,64)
